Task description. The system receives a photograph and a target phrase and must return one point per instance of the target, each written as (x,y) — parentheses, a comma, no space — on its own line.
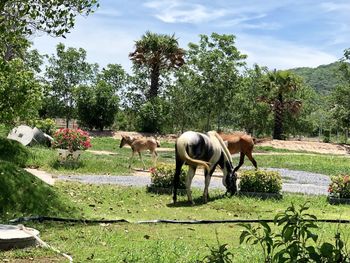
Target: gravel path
(293,181)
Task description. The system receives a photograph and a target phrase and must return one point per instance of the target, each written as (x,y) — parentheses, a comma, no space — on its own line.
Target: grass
(24,195)
(117,162)
(126,242)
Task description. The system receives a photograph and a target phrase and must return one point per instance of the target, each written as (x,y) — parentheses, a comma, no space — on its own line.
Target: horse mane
(223,145)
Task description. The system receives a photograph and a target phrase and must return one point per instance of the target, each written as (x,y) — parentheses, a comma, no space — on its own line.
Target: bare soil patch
(308,146)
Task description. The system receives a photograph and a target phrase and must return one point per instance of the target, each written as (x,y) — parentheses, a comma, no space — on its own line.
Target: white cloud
(336,7)
(103,44)
(279,54)
(183,12)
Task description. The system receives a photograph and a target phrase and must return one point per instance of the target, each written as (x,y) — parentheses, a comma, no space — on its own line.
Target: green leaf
(326,249)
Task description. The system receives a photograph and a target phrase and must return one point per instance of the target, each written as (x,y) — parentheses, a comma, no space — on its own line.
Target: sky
(279,34)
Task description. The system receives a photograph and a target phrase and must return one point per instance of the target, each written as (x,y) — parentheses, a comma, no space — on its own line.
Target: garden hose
(157,221)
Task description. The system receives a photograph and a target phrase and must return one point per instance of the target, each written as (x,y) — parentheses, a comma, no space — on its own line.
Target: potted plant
(339,189)
(70,142)
(260,183)
(162,179)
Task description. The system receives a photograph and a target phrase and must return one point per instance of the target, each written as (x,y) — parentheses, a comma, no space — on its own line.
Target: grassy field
(116,163)
(24,195)
(132,242)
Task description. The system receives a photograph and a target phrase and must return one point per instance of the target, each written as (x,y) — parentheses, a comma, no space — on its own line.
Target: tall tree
(280,87)
(98,103)
(65,72)
(341,95)
(215,62)
(157,53)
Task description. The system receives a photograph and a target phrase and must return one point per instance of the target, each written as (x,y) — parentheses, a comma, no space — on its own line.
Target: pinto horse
(139,144)
(240,142)
(207,150)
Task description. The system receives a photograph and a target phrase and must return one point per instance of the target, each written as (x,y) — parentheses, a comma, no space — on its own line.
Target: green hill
(323,78)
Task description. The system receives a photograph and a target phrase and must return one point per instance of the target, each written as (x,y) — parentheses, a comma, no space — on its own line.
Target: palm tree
(280,85)
(157,52)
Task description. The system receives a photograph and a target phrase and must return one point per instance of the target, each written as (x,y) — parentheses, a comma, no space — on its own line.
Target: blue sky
(278,34)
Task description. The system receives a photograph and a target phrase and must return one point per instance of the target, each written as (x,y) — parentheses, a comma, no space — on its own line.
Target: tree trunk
(153,92)
(278,118)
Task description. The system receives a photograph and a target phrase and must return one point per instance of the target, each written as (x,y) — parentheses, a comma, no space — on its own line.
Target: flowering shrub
(163,174)
(71,139)
(340,186)
(260,181)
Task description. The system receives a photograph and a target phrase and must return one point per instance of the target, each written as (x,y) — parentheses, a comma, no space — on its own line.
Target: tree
(20,19)
(65,72)
(214,68)
(157,53)
(20,92)
(341,96)
(249,113)
(97,105)
(280,87)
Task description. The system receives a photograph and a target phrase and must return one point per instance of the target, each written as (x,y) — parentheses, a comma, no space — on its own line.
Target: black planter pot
(337,200)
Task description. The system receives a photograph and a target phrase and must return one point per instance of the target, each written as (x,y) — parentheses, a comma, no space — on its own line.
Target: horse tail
(182,153)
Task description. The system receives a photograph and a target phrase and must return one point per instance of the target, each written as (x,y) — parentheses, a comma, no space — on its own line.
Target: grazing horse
(207,150)
(242,143)
(139,144)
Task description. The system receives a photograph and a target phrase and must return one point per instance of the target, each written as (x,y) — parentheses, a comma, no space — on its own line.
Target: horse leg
(131,158)
(250,156)
(154,157)
(176,179)
(144,166)
(241,161)
(207,176)
(190,175)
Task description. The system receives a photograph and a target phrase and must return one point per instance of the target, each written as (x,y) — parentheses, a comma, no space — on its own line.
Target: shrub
(340,186)
(13,151)
(260,181)
(71,139)
(47,126)
(163,174)
(295,242)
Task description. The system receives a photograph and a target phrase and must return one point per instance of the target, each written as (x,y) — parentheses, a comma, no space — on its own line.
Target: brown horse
(240,142)
(139,144)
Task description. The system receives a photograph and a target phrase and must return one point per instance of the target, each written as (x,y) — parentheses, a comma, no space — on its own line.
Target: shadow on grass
(67,165)
(198,201)
(22,194)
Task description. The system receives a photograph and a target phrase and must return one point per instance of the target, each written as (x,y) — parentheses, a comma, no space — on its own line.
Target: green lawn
(124,242)
(24,195)
(117,162)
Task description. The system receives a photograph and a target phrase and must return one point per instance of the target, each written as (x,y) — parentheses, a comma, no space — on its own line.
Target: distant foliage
(97,105)
(323,78)
(47,125)
(260,181)
(152,116)
(340,186)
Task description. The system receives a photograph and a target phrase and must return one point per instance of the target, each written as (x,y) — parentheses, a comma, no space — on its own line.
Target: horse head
(123,141)
(231,183)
